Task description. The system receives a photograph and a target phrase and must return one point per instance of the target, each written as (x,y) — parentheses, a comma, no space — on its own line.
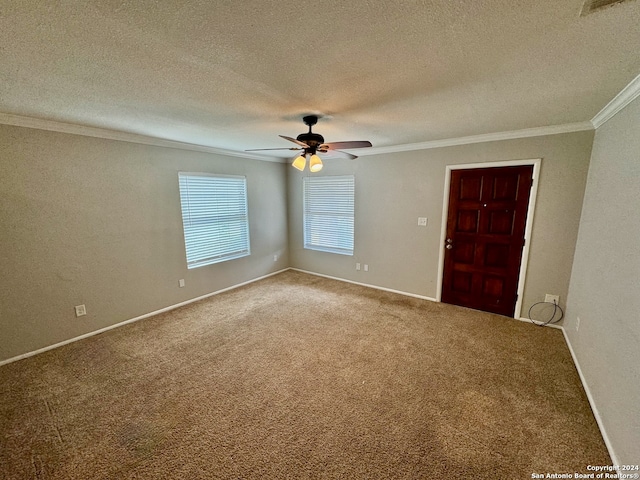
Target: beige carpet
(298,376)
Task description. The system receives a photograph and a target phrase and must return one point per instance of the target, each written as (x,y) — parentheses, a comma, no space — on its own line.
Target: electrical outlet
(275,257)
(181,282)
(577,323)
(366,267)
(422,221)
(357,266)
(552,298)
(80,310)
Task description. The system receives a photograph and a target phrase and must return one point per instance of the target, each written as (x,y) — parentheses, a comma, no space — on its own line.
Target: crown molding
(627,95)
(75,129)
(482,138)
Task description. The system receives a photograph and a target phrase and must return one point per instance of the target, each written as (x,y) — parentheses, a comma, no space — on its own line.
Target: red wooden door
(485,237)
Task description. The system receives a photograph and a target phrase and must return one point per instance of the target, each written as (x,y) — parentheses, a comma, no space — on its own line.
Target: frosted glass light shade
(315,164)
(299,162)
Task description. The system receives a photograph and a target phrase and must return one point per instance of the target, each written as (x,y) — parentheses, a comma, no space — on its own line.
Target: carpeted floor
(298,376)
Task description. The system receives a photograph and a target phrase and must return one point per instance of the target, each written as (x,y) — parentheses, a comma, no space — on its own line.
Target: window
(214,215)
(329,213)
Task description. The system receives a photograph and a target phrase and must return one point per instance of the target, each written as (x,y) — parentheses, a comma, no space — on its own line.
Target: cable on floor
(551,320)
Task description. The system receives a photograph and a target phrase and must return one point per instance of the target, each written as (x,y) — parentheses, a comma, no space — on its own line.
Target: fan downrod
(310,138)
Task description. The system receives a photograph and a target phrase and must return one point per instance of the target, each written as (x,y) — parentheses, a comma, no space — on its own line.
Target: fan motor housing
(311,139)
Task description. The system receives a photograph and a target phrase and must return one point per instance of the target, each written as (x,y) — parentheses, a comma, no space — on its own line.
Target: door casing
(536,162)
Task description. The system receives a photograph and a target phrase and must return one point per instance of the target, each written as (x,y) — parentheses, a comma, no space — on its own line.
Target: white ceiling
(234,74)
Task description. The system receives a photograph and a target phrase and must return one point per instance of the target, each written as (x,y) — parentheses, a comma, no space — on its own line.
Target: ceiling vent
(591,6)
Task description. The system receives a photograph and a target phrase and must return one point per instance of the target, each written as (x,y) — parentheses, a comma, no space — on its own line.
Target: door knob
(449,246)
(449,240)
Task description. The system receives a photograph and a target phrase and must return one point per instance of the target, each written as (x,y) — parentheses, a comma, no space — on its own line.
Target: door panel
(496,255)
(467,221)
(462,282)
(465,253)
(501,222)
(470,188)
(485,236)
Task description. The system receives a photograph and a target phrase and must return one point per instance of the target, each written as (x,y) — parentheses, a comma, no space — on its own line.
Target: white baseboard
(552,325)
(422,297)
(131,320)
(594,408)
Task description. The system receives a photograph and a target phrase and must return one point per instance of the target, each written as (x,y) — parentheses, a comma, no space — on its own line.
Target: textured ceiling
(234,74)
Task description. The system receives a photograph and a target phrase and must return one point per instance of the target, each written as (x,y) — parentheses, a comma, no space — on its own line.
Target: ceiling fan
(311,144)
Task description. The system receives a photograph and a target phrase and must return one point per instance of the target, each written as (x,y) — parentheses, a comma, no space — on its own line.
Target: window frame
(330,240)
(238,220)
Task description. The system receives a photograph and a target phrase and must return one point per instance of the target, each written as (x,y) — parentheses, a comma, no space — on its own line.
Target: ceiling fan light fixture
(315,164)
(309,144)
(300,162)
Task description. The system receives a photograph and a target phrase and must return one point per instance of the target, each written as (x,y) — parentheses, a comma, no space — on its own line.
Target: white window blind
(214,216)
(329,213)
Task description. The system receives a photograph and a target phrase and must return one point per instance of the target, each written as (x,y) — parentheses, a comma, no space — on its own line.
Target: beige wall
(97,222)
(393,190)
(605,283)
(94,221)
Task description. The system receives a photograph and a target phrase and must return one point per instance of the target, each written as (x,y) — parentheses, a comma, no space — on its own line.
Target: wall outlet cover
(80,310)
(551,298)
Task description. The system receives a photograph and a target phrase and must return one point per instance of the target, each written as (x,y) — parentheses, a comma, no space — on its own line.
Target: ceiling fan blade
(260,149)
(302,144)
(347,145)
(338,153)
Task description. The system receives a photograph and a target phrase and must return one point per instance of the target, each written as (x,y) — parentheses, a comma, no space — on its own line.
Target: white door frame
(536,162)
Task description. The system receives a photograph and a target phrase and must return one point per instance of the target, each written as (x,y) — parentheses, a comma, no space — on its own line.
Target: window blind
(329,213)
(214,216)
